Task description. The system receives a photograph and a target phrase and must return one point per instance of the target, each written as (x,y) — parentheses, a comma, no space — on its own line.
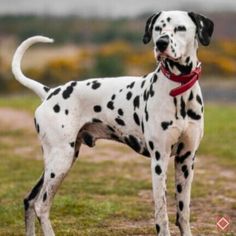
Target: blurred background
(112,192)
(96,40)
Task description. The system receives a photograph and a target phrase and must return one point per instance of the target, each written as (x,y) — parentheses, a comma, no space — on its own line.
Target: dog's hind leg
(184,165)
(29,207)
(58,162)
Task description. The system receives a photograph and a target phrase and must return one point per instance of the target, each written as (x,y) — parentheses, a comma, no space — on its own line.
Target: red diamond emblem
(223,223)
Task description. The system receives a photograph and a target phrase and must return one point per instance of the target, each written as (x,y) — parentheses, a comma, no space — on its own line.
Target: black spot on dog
(176,111)
(181,159)
(186,174)
(193,115)
(46,89)
(184,168)
(146,152)
(179,188)
(66,112)
(36,125)
(88,84)
(110,105)
(142,125)
(180,148)
(136,119)
(110,128)
(191,96)
(34,192)
(146,113)
(131,85)
(72,144)
(143,83)
(67,92)
(62,126)
(115,137)
(120,122)
(181,205)
(168,19)
(120,112)
(199,100)
(155,77)
(151,145)
(113,97)
(96,84)
(165,124)
(52,175)
(151,91)
(157,155)
(187,60)
(96,120)
(136,102)
(45,197)
(129,95)
(145,95)
(158,228)
(56,108)
(97,108)
(88,139)
(182,110)
(73,84)
(158,170)
(55,92)
(133,143)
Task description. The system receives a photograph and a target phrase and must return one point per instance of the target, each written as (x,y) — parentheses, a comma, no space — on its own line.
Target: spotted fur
(136,111)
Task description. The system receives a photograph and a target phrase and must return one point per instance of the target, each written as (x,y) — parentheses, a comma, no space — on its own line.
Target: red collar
(187,81)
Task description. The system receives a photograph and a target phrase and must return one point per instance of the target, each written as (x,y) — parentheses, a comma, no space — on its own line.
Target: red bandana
(187,81)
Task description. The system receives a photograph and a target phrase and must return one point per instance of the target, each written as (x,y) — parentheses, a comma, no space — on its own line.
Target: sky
(110,8)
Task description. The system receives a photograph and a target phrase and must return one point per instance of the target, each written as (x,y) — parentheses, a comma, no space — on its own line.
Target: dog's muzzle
(162,43)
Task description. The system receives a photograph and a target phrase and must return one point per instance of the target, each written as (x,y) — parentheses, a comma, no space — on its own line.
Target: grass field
(108,191)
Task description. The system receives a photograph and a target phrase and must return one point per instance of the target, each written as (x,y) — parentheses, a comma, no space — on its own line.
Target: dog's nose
(162,43)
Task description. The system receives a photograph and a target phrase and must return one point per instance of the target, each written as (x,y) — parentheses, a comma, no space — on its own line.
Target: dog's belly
(113,110)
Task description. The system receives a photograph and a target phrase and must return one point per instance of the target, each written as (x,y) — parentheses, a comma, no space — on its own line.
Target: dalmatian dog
(159,115)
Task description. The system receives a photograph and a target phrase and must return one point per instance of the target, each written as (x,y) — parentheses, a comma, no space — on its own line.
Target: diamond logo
(223,223)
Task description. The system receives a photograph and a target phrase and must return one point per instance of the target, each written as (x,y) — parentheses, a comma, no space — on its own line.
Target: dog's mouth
(161,56)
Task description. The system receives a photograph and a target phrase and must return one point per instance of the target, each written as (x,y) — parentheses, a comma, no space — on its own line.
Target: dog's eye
(180,28)
(158,28)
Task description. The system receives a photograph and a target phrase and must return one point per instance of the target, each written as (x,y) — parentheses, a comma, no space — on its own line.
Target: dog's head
(175,33)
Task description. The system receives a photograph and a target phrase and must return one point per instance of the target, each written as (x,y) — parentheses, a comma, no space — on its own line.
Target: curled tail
(37,87)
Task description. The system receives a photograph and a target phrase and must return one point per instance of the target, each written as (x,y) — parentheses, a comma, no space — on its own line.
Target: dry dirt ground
(208,174)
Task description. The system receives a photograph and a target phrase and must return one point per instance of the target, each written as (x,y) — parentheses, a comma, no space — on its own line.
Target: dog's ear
(205,27)
(149,27)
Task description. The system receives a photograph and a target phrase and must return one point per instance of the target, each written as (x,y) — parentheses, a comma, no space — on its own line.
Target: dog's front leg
(184,166)
(159,165)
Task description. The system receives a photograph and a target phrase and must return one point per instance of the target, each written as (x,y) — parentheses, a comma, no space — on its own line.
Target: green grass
(114,197)
(220,133)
